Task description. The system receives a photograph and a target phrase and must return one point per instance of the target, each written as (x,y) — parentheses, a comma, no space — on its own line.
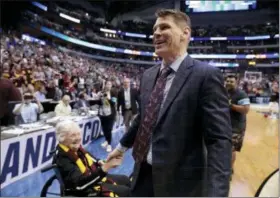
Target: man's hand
(101,162)
(113,163)
(114,154)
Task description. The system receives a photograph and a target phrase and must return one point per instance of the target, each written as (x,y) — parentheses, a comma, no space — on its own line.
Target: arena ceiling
(113,8)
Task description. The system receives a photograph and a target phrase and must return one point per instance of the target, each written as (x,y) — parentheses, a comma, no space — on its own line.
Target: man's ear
(186,33)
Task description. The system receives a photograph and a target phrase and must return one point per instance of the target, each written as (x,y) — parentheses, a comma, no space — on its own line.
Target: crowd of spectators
(52,72)
(49,72)
(39,68)
(266,86)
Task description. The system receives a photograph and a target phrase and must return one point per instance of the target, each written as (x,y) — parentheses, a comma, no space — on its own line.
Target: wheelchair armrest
(87,185)
(47,168)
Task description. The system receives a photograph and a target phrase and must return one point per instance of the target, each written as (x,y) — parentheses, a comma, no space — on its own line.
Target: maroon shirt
(8,92)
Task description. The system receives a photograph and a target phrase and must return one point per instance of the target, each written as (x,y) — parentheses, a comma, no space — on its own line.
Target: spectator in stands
(68,91)
(81,81)
(28,72)
(94,94)
(107,113)
(83,174)
(6,71)
(82,103)
(53,92)
(18,75)
(66,80)
(38,75)
(31,89)
(27,111)
(63,108)
(41,94)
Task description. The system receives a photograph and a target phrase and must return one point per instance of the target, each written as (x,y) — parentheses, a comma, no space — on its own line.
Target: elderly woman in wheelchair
(82,173)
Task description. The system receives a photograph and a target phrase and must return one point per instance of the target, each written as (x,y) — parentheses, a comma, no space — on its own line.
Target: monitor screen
(193,6)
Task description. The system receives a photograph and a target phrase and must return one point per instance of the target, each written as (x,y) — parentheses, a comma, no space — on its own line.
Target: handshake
(113,160)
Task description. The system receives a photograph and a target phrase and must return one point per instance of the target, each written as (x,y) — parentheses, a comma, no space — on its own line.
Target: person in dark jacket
(82,102)
(82,173)
(128,99)
(8,93)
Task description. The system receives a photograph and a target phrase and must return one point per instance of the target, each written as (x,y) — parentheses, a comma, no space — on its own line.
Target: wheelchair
(44,191)
(265,182)
(57,176)
(63,192)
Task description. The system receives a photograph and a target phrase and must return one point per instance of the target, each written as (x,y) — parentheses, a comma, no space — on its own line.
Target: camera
(103,95)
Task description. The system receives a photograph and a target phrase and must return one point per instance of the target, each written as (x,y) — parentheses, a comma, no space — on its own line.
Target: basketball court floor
(258,158)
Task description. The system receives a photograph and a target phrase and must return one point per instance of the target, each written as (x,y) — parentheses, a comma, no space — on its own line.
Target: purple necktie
(143,138)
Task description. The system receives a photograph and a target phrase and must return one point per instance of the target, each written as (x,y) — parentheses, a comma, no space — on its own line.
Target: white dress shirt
(28,112)
(127,101)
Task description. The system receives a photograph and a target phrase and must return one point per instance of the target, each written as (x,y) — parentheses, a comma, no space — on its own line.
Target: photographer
(27,110)
(107,113)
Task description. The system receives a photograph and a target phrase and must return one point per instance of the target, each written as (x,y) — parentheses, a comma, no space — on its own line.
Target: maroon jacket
(8,92)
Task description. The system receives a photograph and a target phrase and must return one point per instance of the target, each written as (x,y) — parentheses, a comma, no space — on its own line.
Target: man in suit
(127,99)
(181,137)
(82,103)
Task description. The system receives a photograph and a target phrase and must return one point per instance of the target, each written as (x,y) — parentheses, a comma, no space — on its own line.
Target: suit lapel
(123,96)
(131,92)
(179,80)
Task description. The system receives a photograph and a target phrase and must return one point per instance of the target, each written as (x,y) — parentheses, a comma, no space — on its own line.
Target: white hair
(64,127)
(66,97)
(128,79)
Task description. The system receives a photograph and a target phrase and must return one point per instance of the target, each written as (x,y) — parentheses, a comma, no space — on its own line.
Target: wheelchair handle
(52,152)
(49,167)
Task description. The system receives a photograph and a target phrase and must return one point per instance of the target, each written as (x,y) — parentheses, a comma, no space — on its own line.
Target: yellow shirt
(62,110)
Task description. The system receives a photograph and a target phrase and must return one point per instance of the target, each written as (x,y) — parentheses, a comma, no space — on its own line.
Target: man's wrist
(121,148)
(105,168)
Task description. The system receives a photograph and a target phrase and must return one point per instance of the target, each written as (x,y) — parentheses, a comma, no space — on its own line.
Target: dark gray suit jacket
(191,142)
(79,104)
(134,98)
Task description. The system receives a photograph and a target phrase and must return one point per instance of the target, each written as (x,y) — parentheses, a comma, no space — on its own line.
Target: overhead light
(252,63)
(69,18)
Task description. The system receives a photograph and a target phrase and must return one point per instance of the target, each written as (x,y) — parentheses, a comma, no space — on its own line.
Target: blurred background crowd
(57,67)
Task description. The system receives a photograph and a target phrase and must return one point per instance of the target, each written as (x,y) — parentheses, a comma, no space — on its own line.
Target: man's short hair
(178,16)
(126,79)
(231,76)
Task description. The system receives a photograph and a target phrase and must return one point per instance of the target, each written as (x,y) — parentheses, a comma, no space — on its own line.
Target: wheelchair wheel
(131,177)
(46,187)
